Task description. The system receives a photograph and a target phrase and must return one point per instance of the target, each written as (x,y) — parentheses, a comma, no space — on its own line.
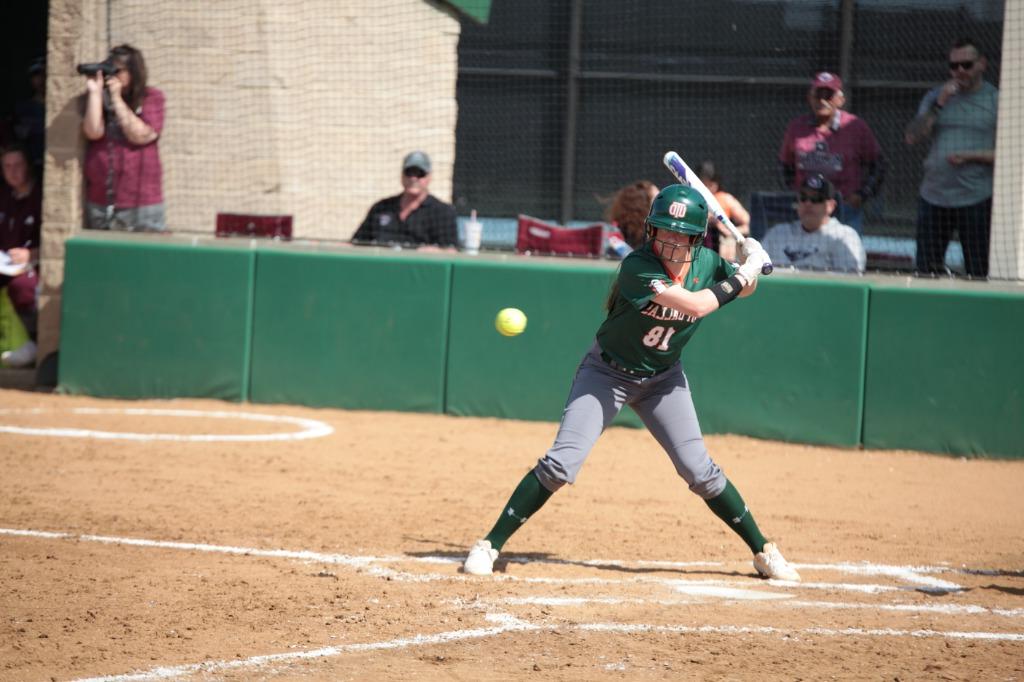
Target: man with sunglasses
(817,241)
(956,190)
(836,144)
(415,218)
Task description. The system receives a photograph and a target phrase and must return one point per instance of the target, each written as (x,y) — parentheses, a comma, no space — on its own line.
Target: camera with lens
(107,66)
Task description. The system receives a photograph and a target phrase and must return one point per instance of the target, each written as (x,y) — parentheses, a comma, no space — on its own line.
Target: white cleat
(770,563)
(481,559)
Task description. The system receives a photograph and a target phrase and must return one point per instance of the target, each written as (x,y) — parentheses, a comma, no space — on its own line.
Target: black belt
(643,373)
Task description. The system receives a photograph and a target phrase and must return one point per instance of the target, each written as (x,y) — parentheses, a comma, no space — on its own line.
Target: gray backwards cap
(417,160)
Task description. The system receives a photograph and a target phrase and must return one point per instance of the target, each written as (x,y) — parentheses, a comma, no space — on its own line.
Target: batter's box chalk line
(502,622)
(726,590)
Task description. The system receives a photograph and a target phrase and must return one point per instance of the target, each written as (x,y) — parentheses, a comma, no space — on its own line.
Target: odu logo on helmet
(679,208)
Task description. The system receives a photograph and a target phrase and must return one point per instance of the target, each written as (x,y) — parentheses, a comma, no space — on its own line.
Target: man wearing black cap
(414,218)
(835,143)
(816,241)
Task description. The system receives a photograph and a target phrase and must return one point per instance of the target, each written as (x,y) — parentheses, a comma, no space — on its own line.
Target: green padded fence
(355,330)
(526,376)
(944,372)
(155,320)
(830,361)
(787,363)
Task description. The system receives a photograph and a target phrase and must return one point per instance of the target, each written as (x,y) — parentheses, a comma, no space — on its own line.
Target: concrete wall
(75,34)
(301,107)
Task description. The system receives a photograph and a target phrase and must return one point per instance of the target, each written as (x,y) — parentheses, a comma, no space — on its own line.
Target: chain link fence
(563,102)
(553,104)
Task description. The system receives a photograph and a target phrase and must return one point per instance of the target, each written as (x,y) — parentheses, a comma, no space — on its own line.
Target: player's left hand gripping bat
(685,175)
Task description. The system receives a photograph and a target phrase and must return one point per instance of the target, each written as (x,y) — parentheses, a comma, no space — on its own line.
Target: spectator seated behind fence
(628,210)
(20,227)
(123,120)
(719,237)
(414,218)
(817,241)
(835,144)
(956,190)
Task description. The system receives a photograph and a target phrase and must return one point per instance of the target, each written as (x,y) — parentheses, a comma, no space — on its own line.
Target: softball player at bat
(662,291)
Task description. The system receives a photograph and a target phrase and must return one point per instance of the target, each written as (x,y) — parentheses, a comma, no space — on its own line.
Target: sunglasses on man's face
(414,172)
(813,198)
(965,65)
(824,93)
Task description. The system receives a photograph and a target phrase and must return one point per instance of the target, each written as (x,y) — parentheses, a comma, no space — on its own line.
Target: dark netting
(553,133)
(545,110)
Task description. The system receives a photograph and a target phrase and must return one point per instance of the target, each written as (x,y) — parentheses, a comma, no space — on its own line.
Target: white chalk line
(300,555)
(722,589)
(372,565)
(912,574)
(907,573)
(504,623)
(507,623)
(769,630)
(735,597)
(309,428)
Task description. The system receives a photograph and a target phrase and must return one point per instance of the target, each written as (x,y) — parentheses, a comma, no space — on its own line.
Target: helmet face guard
(680,209)
(687,251)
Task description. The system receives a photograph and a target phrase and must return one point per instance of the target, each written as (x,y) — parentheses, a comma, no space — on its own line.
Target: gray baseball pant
(664,404)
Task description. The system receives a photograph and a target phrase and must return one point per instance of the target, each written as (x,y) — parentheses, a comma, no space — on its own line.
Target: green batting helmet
(680,209)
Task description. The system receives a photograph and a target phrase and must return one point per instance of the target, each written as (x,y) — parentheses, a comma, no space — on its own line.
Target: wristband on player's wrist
(728,289)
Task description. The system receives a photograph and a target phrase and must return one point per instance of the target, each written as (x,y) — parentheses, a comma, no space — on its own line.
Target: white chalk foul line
(372,565)
(309,428)
(300,555)
(504,623)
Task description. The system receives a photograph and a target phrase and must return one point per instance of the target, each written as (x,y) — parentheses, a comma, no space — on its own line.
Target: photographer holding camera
(123,120)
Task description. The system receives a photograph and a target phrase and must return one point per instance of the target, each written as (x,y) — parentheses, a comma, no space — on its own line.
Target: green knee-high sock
(527,498)
(731,508)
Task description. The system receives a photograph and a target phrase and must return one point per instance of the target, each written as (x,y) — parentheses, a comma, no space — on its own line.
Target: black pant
(935,226)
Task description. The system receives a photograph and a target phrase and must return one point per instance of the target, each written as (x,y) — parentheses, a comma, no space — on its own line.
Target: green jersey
(640,334)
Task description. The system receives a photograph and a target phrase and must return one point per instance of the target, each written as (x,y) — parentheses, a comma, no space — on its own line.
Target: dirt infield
(199,549)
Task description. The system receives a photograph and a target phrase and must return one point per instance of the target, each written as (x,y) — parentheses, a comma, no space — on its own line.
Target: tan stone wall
(301,107)
(75,34)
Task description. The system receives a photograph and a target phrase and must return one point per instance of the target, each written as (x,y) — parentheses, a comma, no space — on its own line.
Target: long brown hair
(130,58)
(629,209)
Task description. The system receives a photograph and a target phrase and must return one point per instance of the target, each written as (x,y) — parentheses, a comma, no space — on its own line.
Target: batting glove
(749,246)
(751,268)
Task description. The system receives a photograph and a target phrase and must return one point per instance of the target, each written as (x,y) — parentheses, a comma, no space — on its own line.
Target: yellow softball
(510,321)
